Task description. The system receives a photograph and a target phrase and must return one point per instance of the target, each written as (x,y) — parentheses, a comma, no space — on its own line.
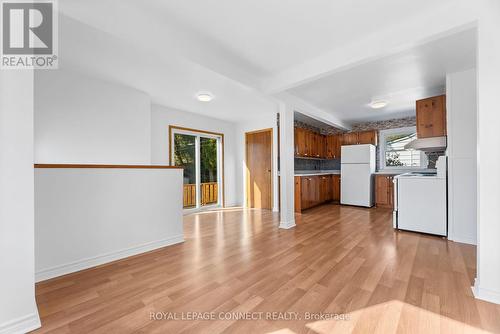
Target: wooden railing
(209,193)
(189,195)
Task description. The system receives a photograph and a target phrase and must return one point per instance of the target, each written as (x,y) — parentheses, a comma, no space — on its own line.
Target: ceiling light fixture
(378,104)
(204,96)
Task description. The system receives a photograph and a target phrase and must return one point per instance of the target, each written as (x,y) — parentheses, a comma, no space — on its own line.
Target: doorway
(201,154)
(258,157)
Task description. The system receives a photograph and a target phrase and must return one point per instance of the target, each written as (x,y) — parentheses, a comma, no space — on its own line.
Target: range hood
(433,144)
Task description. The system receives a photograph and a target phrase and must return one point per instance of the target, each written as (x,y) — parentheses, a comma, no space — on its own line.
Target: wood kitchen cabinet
(368,137)
(300,142)
(315,190)
(333,145)
(431,117)
(309,144)
(309,192)
(350,138)
(384,191)
(336,188)
(325,188)
(361,137)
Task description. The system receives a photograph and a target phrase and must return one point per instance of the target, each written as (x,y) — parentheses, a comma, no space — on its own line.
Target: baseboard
(287,225)
(72,267)
(463,239)
(21,325)
(485,294)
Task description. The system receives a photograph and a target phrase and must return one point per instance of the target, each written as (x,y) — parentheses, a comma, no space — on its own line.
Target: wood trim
(105,166)
(175,127)
(258,131)
(272,164)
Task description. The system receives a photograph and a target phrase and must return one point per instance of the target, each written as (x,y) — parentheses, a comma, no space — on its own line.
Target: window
(393,153)
(200,154)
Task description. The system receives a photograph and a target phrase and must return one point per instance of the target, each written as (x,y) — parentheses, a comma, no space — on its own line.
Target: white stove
(420,201)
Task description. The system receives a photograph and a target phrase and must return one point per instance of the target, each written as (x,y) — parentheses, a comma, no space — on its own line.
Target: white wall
(259,123)
(461,98)
(79,119)
(18,312)
(487,284)
(87,216)
(163,117)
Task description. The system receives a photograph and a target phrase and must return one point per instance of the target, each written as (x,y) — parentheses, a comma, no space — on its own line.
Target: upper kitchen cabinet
(368,137)
(350,138)
(333,144)
(309,144)
(362,137)
(431,117)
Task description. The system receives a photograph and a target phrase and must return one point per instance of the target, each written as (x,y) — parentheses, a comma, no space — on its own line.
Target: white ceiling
(170,79)
(400,79)
(232,48)
(297,116)
(272,35)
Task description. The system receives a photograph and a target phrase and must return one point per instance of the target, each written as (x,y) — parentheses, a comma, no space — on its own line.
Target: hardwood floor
(338,260)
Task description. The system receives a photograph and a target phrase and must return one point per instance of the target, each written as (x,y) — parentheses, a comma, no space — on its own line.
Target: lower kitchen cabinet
(336,188)
(384,191)
(315,190)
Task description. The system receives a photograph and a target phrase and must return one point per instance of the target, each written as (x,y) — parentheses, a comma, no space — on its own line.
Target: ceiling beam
(420,30)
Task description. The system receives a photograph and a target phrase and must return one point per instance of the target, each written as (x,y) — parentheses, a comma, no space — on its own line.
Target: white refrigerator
(357,173)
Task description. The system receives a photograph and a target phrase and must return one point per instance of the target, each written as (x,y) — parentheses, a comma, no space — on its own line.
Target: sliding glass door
(200,155)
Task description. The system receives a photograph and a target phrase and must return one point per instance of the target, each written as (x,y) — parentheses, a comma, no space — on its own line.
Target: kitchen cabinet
(325,188)
(336,188)
(367,137)
(384,191)
(431,117)
(315,190)
(350,138)
(298,194)
(309,144)
(300,142)
(361,137)
(333,145)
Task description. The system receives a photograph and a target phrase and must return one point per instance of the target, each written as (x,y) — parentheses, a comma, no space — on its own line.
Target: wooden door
(307,143)
(367,137)
(391,191)
(384,191)
(326,187)
(315,190)
(330,147)
(336,188)
(305,192)
(300,142)
(298,194)
(314,146)
(338,146)
(296,142)
(259,167)
(322,146)
(431,117)
(350,138)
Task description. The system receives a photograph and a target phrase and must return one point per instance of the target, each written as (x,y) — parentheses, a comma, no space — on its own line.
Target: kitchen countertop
(316,172)
(337,171)
(402,171)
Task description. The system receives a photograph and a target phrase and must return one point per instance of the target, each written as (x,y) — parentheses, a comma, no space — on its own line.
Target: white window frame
(383,134)
(197,136)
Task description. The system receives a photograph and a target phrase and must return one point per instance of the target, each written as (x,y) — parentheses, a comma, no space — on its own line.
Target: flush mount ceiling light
(378,104)
(204,96)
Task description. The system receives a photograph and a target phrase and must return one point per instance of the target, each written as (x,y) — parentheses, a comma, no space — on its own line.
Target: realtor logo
(29,38)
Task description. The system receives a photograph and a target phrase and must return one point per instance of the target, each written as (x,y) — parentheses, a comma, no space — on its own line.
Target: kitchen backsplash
(310,164)
(316,164)
(384,125)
